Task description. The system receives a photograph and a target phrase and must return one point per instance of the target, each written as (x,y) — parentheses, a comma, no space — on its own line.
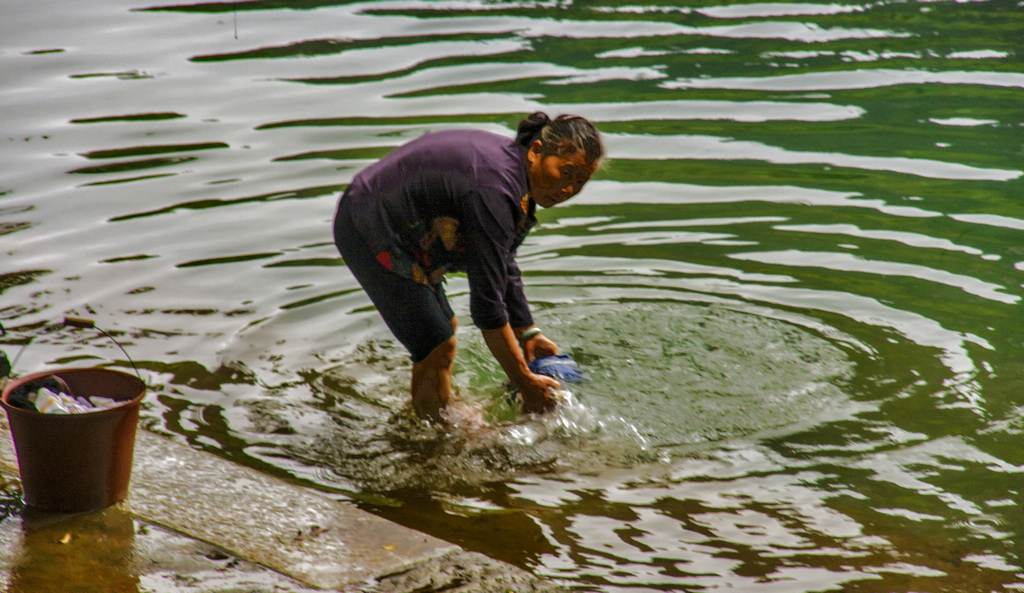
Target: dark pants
(417,314)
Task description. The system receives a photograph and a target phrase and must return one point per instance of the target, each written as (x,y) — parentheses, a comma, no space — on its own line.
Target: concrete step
(294,531)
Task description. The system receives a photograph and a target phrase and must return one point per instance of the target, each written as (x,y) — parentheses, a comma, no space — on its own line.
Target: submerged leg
(432,380)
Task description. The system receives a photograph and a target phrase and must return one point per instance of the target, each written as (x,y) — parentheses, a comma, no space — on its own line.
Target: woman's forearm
(504,346)
(535,389)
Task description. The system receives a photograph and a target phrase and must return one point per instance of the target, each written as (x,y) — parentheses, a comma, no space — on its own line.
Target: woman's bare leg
(432,380)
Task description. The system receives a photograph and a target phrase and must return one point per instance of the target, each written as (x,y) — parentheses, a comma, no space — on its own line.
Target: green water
(795,284)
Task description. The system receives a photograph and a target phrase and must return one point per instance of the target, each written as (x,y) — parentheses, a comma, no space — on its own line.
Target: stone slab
(295,531)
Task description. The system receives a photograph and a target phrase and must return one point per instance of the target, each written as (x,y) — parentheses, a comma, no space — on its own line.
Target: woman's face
(555,178)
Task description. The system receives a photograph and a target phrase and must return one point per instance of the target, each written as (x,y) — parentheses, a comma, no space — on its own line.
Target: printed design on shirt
(403,265)
(443,228)
(441,235)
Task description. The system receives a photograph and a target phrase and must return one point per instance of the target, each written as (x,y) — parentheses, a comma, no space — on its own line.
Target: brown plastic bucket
(77,462)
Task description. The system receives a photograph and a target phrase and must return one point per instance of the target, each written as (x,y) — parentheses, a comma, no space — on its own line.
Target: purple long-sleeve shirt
(456,200)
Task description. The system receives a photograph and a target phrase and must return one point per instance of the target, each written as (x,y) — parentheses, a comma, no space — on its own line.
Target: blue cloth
(559,366)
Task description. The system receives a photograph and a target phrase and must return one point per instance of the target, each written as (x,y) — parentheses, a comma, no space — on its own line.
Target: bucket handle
(5,363)
(79,322)
(82,323)
(9,367)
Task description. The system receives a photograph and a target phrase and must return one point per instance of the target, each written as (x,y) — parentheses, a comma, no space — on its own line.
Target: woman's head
(561,155)
(563,135)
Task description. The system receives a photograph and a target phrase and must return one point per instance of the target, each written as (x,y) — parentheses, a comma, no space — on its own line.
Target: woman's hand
(537,396)
(513,356)
(538,346)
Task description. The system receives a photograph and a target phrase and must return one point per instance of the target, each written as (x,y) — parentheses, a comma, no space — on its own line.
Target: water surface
(795,283)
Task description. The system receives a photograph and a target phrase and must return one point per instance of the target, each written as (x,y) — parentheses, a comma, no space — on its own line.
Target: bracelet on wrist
(526,335)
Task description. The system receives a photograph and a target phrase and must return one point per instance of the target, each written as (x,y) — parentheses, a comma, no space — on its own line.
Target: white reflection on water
(755,9)
(964,121)
(624,29)
(906,238)
(652,192)
(902,467)
(711,147)
(792,31)
(668,529)
(994,220)
(850,263)
(689,223)
(741,111)
(672,532)
(856,79)
(641,267)
(372,61)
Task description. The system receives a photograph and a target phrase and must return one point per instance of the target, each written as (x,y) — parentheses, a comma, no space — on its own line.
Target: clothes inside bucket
(51,395)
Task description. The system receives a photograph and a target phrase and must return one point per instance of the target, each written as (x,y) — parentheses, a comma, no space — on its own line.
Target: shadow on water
(53,550)
(110,551)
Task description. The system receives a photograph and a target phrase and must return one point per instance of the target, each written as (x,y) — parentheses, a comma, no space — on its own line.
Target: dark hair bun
(530,128)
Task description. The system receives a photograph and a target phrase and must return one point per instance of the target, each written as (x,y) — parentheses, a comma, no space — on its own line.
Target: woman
(462,200)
